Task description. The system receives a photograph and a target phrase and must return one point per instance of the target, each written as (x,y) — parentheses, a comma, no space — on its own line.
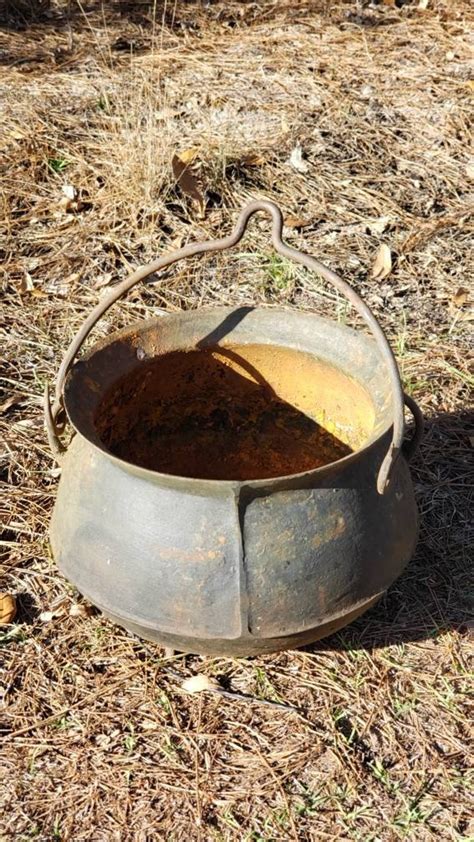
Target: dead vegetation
(99,741)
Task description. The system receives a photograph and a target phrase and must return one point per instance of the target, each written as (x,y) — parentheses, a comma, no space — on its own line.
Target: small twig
(243,697)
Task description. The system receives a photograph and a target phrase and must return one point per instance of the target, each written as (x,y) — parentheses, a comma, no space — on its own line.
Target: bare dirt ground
(99,741)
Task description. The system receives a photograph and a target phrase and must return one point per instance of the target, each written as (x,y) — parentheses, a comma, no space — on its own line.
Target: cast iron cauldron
(237,482)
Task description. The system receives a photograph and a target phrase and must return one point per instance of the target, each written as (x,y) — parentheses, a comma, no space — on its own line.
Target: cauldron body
(235,566)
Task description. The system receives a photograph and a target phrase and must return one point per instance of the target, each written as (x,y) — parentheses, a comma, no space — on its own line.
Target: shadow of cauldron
(238,482)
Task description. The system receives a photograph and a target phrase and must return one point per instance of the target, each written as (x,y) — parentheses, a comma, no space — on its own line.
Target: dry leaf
(188,183)
(66,205)
(297,161)
(11,401)
(80,610)
(69,191)
(176,243)
(378,226)
(46,616)
(200,682)
(26,283)
(103,280)
(7,608)
(460,297)
(297,222)
(73,200)
(252,160)
(149,725)
(68,201)
(423,4)
(189,155)
(17,134)
(383,263)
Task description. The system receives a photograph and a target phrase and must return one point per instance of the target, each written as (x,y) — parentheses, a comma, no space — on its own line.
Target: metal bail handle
(398,398)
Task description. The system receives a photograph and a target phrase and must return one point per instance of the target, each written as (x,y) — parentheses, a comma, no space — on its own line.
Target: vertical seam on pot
(240,509)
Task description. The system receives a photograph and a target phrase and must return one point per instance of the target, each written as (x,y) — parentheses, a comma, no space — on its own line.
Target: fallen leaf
(25,423)
(73,200)
(378,226)
(11,401)
(17,134)
(33,263)
(188,182)
(423,4)
(297,161)
(177,243)
(149,725)
(46,616)
(189,155)
(26,283)
(67,205)
(69,191)
(460,297)
(383,263)
(252,160)
(74,276)
(80,610)
(200,682)
(103,280)
(68,201)
(7,608)
(297,222)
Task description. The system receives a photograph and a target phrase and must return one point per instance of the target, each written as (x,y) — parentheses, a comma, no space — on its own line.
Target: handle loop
(285,250)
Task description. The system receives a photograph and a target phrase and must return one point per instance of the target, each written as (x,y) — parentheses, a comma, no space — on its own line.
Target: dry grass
(99,743)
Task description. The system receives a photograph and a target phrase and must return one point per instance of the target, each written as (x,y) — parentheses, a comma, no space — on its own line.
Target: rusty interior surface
(234,413)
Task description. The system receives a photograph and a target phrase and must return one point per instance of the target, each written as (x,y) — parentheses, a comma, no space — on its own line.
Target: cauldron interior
(234,413)
(247,403)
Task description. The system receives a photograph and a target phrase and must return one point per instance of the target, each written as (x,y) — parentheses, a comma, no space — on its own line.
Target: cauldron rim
(80,393)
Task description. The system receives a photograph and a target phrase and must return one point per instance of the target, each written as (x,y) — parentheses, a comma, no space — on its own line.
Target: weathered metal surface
(151,554)
(236,571)
(249,563)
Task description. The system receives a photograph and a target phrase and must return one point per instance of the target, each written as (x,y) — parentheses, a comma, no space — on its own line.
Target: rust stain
(332,530)
(234,413)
